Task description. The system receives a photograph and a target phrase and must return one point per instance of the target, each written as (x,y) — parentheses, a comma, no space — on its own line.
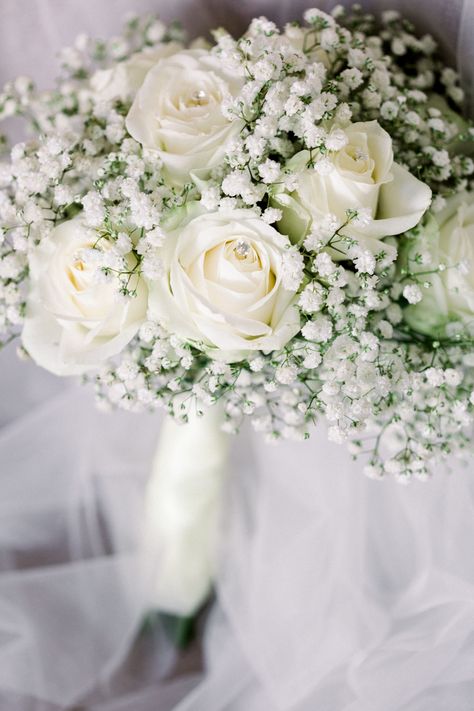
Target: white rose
(224,285)
(446,239)
(73,323)
(363,175)
(178,112)
(123,80)
(297,37)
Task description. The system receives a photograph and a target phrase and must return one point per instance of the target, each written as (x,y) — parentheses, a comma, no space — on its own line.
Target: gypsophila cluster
(287,236)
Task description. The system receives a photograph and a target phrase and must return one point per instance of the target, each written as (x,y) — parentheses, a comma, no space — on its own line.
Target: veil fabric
(334,592)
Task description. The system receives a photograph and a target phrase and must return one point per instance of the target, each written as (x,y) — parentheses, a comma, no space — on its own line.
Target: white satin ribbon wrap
(182,507)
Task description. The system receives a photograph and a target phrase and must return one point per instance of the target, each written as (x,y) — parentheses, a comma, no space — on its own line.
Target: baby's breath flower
(412,293)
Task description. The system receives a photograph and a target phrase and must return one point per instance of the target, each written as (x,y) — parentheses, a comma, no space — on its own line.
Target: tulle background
(334,592)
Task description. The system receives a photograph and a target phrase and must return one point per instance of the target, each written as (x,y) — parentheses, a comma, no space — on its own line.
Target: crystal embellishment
(242,249)
(199,97)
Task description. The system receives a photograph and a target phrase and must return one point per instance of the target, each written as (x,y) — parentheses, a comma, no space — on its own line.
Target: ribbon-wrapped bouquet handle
(182,507)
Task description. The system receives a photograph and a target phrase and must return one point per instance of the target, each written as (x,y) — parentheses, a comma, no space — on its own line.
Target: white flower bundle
(283,223)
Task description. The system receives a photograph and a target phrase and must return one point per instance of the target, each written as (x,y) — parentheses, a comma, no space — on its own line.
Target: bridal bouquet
(281,223)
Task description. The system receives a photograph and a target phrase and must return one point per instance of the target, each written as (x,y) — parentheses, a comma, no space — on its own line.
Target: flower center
(198,98)
(242,249)
(360,154)
(78,266)
(355,158)
(357,153)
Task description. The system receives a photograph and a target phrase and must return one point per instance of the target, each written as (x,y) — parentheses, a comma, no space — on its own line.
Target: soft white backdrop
(335,593)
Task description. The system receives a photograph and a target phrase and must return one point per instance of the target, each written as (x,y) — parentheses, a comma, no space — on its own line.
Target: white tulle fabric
(334,592)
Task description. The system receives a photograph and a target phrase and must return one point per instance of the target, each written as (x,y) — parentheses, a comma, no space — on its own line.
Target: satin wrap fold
(333,591)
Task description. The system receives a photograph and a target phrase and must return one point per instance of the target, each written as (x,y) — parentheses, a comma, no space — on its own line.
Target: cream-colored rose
(73,323)
(447,239)
(363,175)
(224,285)
(178,112)
(123,80)
(298,38)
